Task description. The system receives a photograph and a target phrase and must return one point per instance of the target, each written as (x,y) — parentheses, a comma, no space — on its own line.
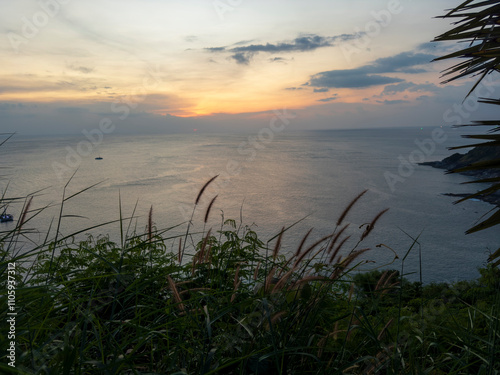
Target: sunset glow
(199,59)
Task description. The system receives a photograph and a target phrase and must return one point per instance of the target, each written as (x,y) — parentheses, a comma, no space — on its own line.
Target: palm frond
(478,24)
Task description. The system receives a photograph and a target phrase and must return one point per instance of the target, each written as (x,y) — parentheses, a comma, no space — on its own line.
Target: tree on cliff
(478,24)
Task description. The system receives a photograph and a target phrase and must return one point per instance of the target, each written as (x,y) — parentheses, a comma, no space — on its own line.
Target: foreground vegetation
(229,304)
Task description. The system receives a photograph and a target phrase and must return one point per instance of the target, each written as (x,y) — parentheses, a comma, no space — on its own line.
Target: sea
(266,181)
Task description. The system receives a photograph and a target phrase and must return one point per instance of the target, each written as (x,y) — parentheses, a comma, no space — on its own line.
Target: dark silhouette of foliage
(478,23)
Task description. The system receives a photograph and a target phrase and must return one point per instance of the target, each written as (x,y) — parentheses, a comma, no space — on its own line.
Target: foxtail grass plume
(204,188)
(256,272)
(332,243)
(269,279)
(384,330)
(342,265)
(299,249)
(282,281)
(176,294)
(179,254)
(207,213)
(277,246)
(150,224)
(370,226)
(337,249)
(349,206)
(384,283)
(309,249)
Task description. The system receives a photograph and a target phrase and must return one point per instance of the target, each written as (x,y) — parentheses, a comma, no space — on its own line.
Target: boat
(6,217)
(98,158)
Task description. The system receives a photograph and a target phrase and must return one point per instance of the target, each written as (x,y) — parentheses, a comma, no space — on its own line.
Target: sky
(155,66)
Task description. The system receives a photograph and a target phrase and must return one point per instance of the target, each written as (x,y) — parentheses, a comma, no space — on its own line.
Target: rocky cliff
(475,155)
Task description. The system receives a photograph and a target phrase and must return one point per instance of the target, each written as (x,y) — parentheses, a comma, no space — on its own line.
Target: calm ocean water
(272,184)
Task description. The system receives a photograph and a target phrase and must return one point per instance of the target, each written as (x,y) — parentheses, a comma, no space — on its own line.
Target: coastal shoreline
(457,161)
(493,199)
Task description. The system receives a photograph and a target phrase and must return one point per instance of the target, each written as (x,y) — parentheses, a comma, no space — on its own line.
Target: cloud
(81,69)
(76,85)
(242,58)
(350,78)
(408,86)
(72,110)
(243,42)
(215,49)
(371,74)
(6,106)
(278,59)
(400,87)
(191,38)
(424,87)
(301,44)
(324,89)
(294,88)
(328,99)
(403,63)
(244,53)
(40,86)
(390,102)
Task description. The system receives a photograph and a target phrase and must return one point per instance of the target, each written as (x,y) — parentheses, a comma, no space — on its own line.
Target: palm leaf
(478,24)
(488,223)
(494,256)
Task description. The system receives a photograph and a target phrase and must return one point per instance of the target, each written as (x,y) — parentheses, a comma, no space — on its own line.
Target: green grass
(236,305)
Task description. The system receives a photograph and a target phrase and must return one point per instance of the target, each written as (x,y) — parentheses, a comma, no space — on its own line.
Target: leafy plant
(478,23)
(237,305)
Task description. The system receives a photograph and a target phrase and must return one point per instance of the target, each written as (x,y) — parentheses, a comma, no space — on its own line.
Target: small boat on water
(98,158)
(6,217)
